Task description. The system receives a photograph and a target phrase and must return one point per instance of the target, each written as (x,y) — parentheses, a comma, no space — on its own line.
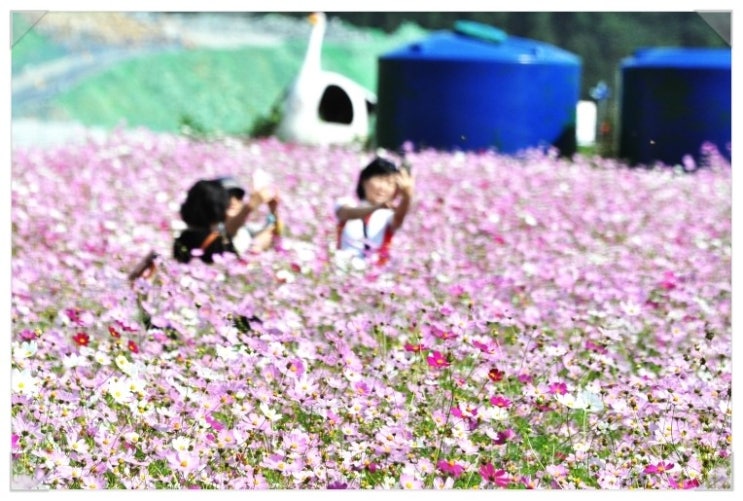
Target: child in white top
(366,226)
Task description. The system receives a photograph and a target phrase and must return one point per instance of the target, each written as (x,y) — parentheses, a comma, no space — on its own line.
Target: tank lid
(679,57)
(480,31)
(471,41)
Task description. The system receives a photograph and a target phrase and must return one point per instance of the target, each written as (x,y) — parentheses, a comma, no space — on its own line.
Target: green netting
(28,47)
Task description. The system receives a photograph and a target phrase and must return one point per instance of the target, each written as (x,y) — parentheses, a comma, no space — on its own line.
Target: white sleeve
(344,202)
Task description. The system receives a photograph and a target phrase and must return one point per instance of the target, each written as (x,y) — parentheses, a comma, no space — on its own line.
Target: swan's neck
(314,49)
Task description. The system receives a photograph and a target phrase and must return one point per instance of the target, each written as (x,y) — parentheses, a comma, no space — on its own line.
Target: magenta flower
(590,345)
(28,335)
(451,467)
(443,334)
(213,423)
(437,360)
(468,412)
(415,348)
(658,469)
(490,474)
(496,375)
(15,444)
(504,436)
(74,315)
(685,484)
(500,401)
(558,388)
(669,281)
(485,348)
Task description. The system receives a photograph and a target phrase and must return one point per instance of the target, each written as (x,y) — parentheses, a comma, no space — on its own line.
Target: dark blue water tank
(672,100)
(477,88)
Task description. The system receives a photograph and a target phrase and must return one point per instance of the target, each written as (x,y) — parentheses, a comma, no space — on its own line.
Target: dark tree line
(600,39)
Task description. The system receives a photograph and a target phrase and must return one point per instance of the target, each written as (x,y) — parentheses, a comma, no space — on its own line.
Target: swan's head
(316,18)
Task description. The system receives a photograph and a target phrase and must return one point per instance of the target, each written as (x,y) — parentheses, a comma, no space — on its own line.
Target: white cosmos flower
(226,353)
(269,413)
(567,400)
(181,443)
(555,350)
(74,360)
(285,276)
(79,446)
(631,308)
(120,390)
(25,350)
(592,401)
(137,385)
(126,366)
(24,383)
(102,358)
(494,414)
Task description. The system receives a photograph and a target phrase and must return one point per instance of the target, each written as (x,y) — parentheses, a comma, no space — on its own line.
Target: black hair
(206,204)
(377,167)
(232,186)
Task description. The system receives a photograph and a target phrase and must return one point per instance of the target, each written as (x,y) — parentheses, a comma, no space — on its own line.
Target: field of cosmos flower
(544,323)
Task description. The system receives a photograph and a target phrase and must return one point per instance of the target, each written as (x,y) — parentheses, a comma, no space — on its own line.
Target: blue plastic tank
(476,88)
(672,100)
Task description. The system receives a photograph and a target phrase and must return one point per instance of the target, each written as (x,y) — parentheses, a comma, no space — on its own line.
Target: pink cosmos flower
(296,367)
(528,482)
(658,468)
(361,388)
(183,461)
(556,470)
(437,360)
(410,482)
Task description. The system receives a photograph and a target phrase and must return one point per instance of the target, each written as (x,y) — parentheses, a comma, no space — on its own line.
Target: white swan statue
(323,107)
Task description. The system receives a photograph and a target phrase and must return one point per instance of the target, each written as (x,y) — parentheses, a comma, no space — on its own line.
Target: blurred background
(205,73)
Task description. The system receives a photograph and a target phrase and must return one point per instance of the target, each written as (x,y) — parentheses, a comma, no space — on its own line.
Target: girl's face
(234,208)
(380,189)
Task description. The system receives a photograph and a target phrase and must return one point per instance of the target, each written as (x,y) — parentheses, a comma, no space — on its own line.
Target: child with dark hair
(366,226)
(216,217)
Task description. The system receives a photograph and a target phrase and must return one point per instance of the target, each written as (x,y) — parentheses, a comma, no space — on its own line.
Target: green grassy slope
(218,91)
